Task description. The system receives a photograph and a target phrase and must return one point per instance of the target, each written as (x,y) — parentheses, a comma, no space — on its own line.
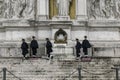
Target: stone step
(58,78)
(42,69)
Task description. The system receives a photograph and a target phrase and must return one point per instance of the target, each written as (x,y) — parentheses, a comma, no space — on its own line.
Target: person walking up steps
(78,47)
(24,47)
(49,48)
(86,45)
(34,46)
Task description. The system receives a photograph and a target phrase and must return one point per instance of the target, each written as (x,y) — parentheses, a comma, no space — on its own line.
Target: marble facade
(23,19)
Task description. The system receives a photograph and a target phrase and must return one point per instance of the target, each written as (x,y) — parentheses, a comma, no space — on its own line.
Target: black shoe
(51,57)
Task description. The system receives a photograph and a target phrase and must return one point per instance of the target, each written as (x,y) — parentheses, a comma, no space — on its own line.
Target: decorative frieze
(12,9)
(103,9)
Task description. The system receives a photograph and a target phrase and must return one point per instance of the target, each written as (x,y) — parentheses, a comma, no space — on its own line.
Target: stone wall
(14,50)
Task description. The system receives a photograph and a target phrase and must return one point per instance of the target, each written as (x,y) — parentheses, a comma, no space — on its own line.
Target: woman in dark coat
(24,47)
(48,47)
(78,47)
(85,45)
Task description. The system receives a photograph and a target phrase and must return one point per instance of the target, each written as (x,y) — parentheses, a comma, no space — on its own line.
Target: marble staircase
(56,69)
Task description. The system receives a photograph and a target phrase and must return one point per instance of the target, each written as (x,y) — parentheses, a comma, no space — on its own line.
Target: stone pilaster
(42,9)
(81,9)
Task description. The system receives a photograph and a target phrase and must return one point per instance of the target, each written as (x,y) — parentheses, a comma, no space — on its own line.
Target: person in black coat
(24,47)
(48,47)
(34,46)
(78,47)
(85,45)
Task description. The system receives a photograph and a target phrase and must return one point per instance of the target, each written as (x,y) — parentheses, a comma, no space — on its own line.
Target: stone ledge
(104,23)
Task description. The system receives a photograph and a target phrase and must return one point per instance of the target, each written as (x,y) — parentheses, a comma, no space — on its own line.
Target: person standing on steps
(78,47)
(86,45)
(34,46)
(49,48)
(24,47)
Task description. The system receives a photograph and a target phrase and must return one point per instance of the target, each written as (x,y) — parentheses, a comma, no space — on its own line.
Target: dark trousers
(24,52)
(85,50)
(78,52)
(48,53)
(34,51)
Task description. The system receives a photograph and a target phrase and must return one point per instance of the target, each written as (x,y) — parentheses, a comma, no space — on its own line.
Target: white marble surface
(42,9)
(104,35)
(78,34)
(18,35)
(99,32)
(43,34)
(81,9)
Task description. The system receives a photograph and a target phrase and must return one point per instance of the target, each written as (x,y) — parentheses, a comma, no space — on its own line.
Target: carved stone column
(42,9)
(81,9)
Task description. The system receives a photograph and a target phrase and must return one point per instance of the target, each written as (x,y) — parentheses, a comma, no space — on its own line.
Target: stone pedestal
(63,52)
(62,18)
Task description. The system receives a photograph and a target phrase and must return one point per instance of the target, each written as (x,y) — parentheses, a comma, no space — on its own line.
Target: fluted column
(81,9)
(42,9)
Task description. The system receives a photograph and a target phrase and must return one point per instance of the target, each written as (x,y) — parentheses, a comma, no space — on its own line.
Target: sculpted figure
(117,5)
(63,7)
(7,7)
(27,9)
(108,8)
(11,8)
(95,9)
(1,9)
(18,9)
(102,9)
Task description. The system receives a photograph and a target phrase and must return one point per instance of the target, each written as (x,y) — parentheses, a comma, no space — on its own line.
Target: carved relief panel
(108,9)
(1,8)
(10,9)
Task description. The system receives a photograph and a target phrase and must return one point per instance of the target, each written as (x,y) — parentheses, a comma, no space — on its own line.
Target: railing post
(117,74)
(116,68)
(79,72)
(4,73)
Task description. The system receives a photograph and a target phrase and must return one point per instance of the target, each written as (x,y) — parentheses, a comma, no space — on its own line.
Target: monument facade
(97,19)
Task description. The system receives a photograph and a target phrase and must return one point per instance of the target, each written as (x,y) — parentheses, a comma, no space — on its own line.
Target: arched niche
(60,36)
(53,11)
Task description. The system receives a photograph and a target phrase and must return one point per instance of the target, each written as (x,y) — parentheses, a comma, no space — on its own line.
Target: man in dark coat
(78,46)
(34,46)
(24,47)
(48,47)
(85,45)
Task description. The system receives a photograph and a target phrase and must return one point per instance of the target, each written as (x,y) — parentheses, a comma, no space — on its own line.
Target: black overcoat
(86,44)
(49,47)
(24,47)
(34,44)
(78,46)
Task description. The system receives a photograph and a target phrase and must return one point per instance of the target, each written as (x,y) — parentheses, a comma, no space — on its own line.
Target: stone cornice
(79,23)
(104,23)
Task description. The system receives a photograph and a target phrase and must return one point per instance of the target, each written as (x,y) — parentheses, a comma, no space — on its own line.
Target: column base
(42,17)
(61,18)
(81,17)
